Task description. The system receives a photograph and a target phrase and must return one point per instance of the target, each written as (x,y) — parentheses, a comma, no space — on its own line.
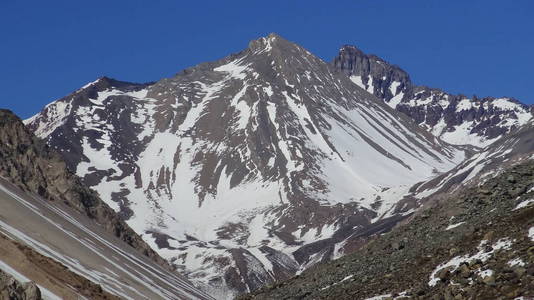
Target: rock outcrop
(12,289)
(456,119)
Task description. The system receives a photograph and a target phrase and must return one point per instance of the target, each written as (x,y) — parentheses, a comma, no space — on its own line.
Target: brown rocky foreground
(45,272)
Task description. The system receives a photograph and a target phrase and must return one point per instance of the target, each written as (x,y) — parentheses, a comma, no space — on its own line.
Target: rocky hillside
(292,162)
(31,165)
(456,119)
(54,279)
(477,244)
(70,256)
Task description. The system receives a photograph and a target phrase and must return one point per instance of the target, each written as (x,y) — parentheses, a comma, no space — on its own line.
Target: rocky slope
(58,232)
(456,119)
(71,257)
(513,148)
(477,244)
(247,169)
(50,280)
(32,166)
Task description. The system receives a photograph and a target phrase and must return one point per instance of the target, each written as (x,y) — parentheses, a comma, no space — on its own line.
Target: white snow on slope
(465,104)
(397,97)
(358,81)
(462,135)
(342,280)
(524,203)
(505,104)
(57,113)
(482,254)
(389,296)
(452,226)
(516,262)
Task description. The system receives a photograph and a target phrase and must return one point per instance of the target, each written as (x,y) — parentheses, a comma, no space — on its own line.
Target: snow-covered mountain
(514,148)
(247,169)
(456,119)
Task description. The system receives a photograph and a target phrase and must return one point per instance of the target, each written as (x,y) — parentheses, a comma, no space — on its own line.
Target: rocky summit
(455,119)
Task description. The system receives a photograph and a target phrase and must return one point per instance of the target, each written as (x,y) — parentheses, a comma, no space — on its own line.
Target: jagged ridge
(456,119)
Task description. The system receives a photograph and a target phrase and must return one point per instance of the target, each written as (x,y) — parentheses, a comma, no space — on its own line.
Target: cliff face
(32,166)
(455,119)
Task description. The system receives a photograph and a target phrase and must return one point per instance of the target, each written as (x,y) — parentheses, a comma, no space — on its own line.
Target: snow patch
(336,283)
(516,262)
(454,226)
(358,81)
(484,273)
(454,263)
(524,203)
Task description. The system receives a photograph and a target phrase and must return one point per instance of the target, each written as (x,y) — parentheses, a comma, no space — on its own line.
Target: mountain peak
(350,49)
(261,133)
(456,119)
(353,61)
(270,42)
(7,116)
(106,83)
(273,35)
(101,83)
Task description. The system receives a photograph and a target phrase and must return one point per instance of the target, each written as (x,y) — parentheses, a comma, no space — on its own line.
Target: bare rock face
(376,75)
(31,165)
(12,289)
(248,169)
(456,119)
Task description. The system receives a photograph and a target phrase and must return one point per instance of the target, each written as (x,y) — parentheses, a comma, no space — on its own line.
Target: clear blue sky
(50,48)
